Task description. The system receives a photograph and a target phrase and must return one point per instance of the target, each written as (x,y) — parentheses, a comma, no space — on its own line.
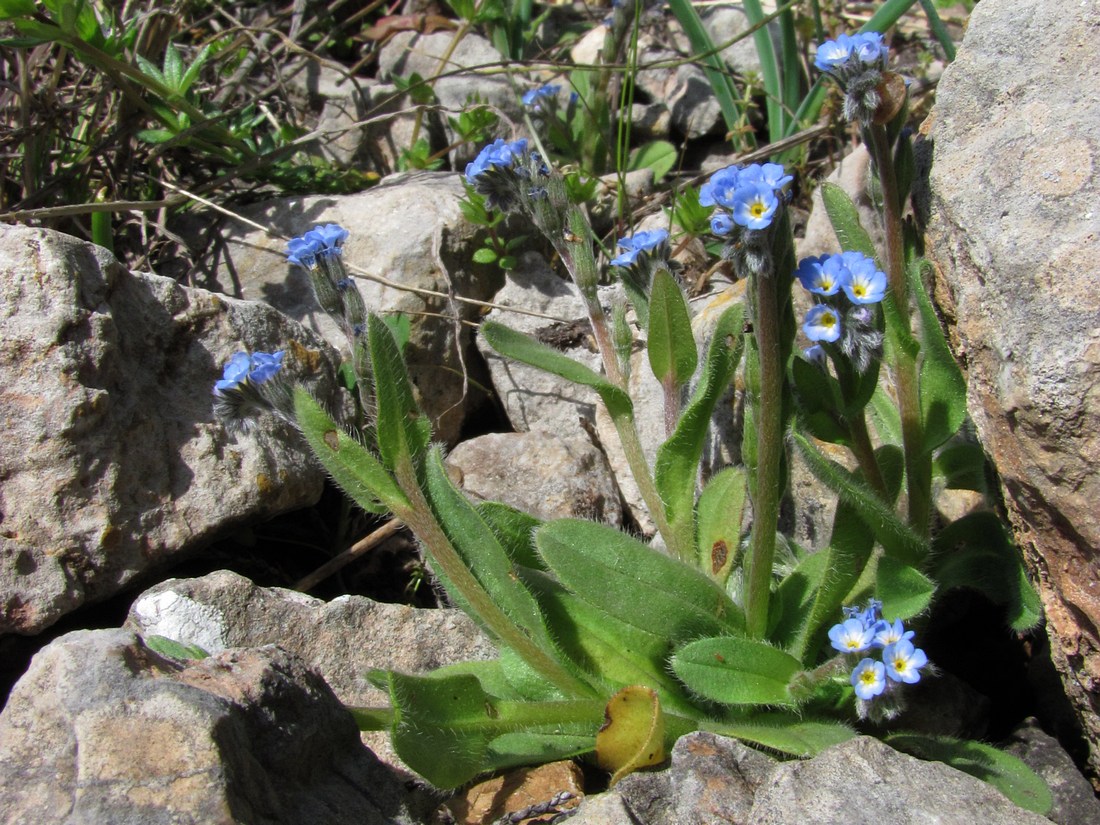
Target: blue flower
(637,243)
(721,223)
(815,355)
(497,153)
(822,275)
(903,661)
(869,679)
(771,174)
(887,634)
(236,370)
(870,50)
(321,241)
(532,96)
(720,187)
(256,368)
(866,284)
(754,205)
(833,53)
(822,324)
(851,636)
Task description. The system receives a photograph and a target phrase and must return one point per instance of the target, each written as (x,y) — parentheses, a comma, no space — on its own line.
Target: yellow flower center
(867,677)
(758,209)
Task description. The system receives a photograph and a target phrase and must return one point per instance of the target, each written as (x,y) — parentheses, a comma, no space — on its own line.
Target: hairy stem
(769,448)
(918,465)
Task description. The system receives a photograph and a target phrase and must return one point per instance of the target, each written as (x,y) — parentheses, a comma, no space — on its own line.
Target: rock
(1075,802)
(516,791)
(711,779)
(729,23)
(408,230)
(102,729)
(852,175)
(534,399)
(865,782)
(1015,231)
(436,56)
(540,473)
(342,639)
(112,462)
(603,809)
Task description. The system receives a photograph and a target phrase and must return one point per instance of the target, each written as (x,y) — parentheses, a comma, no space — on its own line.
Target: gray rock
(1016,234)
(102,729)
(342,639)
(853,175)
(711,779)
(540,473)
(534,399)
(865,782)
(603,809)
(112,461)
(1075,801)
(729,23)
(409,230)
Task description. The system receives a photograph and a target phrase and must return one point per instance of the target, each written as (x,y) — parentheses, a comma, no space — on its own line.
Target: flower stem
(918,465)
(767,417)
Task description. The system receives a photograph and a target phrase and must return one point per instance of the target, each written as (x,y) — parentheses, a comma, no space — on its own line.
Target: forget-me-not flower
(532,97)
(256,368)
(851,636)
(753,206)
(633,245)
(869,679)
(903,661)
(822,324)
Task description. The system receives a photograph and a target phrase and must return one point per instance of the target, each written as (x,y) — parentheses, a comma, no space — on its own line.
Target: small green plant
(612,647)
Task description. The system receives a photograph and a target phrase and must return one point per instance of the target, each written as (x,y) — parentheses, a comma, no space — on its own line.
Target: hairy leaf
(737,671)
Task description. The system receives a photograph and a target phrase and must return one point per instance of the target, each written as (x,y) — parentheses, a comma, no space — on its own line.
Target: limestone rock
(112,462)
(711,779)
(1075,802)
(540,473)
(533,399)
(1016,235)
(408,230)
(342,639)
(102,729)
(865,782)
(853,175)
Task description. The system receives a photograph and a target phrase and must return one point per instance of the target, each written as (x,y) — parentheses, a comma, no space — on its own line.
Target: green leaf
(671,348)
(849,550)
(485,255)
(173,649)
(514,529)
(942,386)
(785,732)
(445,726)
(635,583)
(718,520)
(903,590)
(400,328)
(527,350)
(613,652)
(976,551)
(844,217)
(403,431)
(962,467)
(658,155)
(173,68)
(897,538)
(16,8)
(794,602)
(737,671)
(816,396)
(885,415)
(1005,772)
(481,553)
(350,464)
(677,464)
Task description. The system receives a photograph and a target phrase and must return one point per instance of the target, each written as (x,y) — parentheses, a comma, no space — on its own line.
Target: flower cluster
(508,173)
(257,368)
(533,98)
(746,196)
(251,384)
(648,242)
(865,630)
(320,253)
(850,321)
(858,63)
